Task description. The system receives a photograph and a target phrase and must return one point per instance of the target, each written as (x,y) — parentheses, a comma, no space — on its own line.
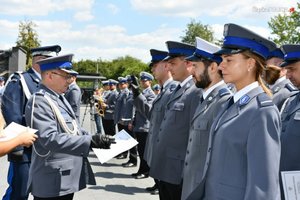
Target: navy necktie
(230,102)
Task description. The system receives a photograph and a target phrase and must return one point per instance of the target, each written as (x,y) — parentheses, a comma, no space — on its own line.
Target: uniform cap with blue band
(157,56)
(276,53)
(145,76)
(45,51)
(177,49)
(291,54)
(238,39)
(105,82)
(205,50)
(63,62)
(112,82)
(122,80)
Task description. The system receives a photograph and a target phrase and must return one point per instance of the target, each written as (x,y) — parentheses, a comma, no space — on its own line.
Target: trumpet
(99,103)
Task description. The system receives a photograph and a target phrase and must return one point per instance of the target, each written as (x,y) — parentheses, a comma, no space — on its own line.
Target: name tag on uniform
(178,106)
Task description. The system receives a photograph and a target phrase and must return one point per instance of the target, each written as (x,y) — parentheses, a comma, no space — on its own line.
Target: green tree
(197,29)
(28,38)
(286,27)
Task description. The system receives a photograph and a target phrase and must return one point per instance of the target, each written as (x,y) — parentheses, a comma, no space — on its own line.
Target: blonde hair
(260,64)
(272,74)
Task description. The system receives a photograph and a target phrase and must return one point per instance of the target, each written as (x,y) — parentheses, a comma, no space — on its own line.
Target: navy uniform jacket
(290,135)
(155,115)
(57,159)
(171,142)
(123,108)
(13,108)
(141,122)
(73,95)
(244,151)
(281,91)
(199,134)
(110,101)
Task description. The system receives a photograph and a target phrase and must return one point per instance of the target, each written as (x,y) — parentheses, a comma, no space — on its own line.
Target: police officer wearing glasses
(18,90)
(59,165)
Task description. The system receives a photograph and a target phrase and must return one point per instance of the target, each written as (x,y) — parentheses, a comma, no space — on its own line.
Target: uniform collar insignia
(244,100)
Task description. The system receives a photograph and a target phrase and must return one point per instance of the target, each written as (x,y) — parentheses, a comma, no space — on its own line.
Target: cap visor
(228,51)
(193,58)
(287,62)
(70,71)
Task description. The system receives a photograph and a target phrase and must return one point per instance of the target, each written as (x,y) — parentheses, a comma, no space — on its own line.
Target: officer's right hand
(102,141)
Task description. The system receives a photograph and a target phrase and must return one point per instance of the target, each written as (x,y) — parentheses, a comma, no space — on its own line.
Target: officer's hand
(135,87)
(102,141)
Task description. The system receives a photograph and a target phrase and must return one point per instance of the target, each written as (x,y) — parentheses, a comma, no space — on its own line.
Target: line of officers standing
(224,125)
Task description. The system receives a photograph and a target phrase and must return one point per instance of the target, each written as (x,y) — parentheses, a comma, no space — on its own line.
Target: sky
(108,29)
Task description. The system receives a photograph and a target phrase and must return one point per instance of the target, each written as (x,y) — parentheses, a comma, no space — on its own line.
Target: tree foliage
(197,29)
(286,27)
(121,66)
(28,38)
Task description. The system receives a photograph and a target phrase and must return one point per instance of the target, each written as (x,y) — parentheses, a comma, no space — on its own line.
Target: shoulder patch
(291,87)
(264,100)
(224,91)
(244,100)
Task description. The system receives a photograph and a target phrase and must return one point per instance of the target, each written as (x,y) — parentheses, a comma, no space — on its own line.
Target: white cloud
(94,41)
(81,8)
(113,8)
(196,8)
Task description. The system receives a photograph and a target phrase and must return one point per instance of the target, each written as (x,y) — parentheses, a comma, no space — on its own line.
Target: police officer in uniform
(59,165)
(215,94)
(124,114)
(141,122)
(18,90)
(281,87)
(73,95)
(290,140)
(244,148)
(110,102)
(156,111)
(171,141)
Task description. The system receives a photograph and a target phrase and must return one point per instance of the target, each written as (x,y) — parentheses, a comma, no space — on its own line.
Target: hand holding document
(123,143)
(291,184)
(13,130)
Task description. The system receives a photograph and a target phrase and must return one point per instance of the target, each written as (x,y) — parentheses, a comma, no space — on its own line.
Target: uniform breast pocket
(177,111)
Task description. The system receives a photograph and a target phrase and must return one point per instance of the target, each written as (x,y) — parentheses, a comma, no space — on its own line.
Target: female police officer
(244,149)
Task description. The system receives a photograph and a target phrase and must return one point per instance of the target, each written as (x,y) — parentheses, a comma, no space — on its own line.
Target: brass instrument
(99,102)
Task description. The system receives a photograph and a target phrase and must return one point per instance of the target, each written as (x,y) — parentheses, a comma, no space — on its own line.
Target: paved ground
(114,182)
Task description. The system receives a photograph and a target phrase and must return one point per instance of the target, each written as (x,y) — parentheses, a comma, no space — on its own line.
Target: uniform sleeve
(143,104)
(74,98)
(50,135)
(13,102)
(263,155)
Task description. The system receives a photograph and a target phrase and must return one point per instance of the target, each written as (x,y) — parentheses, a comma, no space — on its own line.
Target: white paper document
(13,130)
(124,142)
(291,184)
